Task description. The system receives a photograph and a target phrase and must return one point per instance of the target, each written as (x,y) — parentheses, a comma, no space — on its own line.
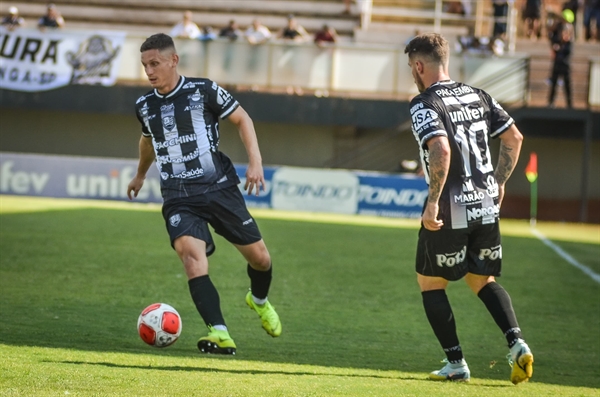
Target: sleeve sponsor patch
(423,118)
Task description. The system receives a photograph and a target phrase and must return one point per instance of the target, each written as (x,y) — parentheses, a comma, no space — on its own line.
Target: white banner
(31,60)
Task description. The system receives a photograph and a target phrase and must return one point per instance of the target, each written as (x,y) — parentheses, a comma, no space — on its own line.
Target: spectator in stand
(327,34)
(561,48)
(13,20)
(257,33)
(231,31)
(186,29)
(293,31)
(52,19)
(532,15)
(207,34)
(454,7)
(591,12)
(500,15)
(573,6)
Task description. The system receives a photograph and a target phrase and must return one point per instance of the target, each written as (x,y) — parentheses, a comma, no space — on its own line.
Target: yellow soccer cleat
(267,314)
(216,342)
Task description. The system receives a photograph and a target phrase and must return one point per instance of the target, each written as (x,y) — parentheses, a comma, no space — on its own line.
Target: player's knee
(261,262)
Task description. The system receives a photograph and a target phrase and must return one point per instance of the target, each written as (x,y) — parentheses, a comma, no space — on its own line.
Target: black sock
(498,303)
(260,282)
(205,296)
(440,316)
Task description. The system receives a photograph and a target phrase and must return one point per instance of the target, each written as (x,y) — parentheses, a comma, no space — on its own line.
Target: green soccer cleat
(267,314)
(520,359)
(453,372)
(216,342)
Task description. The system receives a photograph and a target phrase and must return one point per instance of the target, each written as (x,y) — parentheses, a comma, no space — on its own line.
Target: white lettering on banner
(315,190)
(387,195)
(109,186)
(31,60)
(476,213)
(21,182)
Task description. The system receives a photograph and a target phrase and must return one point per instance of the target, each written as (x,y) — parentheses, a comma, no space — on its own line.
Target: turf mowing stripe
(566,256)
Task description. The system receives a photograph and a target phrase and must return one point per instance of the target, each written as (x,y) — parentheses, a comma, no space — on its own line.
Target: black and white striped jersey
(184,126)
(468,117)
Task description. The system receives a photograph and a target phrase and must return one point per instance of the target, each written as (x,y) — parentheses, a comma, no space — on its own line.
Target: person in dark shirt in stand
(231,31)
(52,19)
(561,48)
(13,20)
(327,34)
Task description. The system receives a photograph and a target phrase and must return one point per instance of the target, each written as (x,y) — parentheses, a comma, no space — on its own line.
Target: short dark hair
(431,45)
(159,41)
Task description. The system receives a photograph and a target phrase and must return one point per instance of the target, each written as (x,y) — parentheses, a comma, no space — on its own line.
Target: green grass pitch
(74,276)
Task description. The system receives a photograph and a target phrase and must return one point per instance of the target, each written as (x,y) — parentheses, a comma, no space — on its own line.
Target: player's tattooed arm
(510,147)
(439,164)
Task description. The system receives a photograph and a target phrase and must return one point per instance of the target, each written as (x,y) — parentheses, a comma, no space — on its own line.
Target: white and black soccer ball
(159,325)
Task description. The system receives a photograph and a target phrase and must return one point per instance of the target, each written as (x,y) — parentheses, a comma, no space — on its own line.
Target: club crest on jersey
(175,220)
(168,122)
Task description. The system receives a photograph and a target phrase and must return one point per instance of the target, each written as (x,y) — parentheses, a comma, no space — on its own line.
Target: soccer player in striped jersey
(460,236)
(180,133)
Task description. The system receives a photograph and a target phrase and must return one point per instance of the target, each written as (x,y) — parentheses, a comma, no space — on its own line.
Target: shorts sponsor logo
(477,213)
(248,221)
(450,260)
(175,220)
(491,253)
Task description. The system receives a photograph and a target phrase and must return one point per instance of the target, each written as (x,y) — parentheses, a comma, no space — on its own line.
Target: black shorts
(452,253)
(225,210)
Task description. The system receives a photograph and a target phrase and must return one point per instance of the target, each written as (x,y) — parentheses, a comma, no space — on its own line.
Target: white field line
(562,253)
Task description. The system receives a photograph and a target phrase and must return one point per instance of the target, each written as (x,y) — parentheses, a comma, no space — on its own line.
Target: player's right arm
(439,164)
(510,147)
(146,159)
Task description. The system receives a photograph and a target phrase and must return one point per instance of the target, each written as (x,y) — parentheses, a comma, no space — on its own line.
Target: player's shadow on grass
(252,372)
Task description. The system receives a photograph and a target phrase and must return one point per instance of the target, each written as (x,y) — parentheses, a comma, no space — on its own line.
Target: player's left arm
(510,147)
(439,165)
(255,177)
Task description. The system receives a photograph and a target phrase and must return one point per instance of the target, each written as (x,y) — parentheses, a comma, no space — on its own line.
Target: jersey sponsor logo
(178,160)
(492,186)
(175,220)
(469,198)
(223,97)
(466,114)
(450,260)
(196,172)
(492,253)
(416,107)
(196,96)
(423,117)
(496,104)
(476,213)
(193,107)
(168,122)
(143,98)
(464,89)
(175,141)
(192,84)
(169,107)
(144,110)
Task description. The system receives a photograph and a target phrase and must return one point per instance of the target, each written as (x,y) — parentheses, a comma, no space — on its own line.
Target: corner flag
(531,173)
